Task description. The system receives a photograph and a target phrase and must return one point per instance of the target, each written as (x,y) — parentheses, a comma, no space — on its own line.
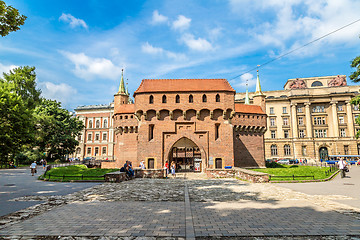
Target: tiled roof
(125,108)
(245,108)
(183,85)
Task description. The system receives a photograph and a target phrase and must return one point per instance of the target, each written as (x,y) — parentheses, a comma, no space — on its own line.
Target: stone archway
(187,155)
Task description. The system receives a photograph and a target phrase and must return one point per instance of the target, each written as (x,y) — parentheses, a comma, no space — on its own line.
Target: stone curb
(304,181)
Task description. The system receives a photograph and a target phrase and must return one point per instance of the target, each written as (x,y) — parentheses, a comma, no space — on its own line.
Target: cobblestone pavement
(177,208)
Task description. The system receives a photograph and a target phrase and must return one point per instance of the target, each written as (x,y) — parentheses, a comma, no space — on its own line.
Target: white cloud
(246,78)
(158,18)
(181,23)
(199,44)
(73,21)
(297,22)
(60,92)
(88,68)
(6,68)
(147,48)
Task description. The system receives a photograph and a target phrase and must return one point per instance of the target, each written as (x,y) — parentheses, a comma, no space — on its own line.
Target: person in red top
(166,168)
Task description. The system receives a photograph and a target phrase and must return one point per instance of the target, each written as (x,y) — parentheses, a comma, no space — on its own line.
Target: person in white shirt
(142,165)
(342,166)
(33,168)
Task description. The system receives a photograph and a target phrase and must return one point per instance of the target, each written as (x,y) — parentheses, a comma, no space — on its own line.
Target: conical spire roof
(247,100)
(258,86)
(122,84)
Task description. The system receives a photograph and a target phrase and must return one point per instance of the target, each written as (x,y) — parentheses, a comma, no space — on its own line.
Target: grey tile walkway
(245,216)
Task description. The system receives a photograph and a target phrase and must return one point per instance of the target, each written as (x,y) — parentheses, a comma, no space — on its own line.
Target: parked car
(284,161)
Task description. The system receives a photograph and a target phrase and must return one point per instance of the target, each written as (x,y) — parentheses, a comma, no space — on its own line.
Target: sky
(79,48)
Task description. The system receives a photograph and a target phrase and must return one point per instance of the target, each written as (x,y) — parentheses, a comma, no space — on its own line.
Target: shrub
(57,161)
(273,165)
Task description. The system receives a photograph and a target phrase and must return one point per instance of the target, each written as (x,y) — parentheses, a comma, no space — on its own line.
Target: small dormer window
(316,84)
(164,99)
(217,98)
(151,99)
(204,98)
(177,99)
(191,99)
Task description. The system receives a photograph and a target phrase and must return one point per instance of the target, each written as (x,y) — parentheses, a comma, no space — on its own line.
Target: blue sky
(79,47)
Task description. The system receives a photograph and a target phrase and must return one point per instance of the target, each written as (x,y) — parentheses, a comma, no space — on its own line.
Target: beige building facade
(311,119)
(97,138)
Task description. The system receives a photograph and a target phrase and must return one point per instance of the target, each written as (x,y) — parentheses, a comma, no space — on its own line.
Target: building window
(341,120)
(177,99)
(204,98)
(301,120)
(96,151)
(218,163)
(105,123)
(287,150)
(342,132)
(164,99)
(191,98)
(301,133)
(299,109)
(104,136)
(89,137)
(273,150)
(79,137)
(273,134)
(319,109)
(151,132)
(97,124)
(271,110)
(90,124)
(285,121)
(284,110)
(340,107)
(320,133)
(78,150)
(151,99)
(303,150)
(104,151)
(319,121)
(346,149)
(217,98)
(88,151)
(286,133)
(217,126)
(97,137)
(272,122)
(316,84)
(358,148)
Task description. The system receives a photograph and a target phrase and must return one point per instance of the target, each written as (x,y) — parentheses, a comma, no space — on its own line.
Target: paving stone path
(183,208)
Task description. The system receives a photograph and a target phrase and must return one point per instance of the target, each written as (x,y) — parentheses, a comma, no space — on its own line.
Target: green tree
(355,76)
(18,98)
(56,129)
(16,123)
(23,82)
(10,19)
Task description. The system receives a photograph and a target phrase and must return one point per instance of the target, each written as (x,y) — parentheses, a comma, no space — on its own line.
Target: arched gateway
(186,155)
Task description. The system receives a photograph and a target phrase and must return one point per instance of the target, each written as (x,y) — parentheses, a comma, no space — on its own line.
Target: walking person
(173,167)
(44,164)
(166,169)
(33,168)
(342,166)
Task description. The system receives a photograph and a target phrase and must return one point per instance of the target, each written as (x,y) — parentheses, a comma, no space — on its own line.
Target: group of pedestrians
(343,166)
(172,169)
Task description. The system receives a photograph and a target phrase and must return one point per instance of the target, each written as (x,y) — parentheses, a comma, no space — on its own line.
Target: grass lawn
(296,170)
(77,172)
